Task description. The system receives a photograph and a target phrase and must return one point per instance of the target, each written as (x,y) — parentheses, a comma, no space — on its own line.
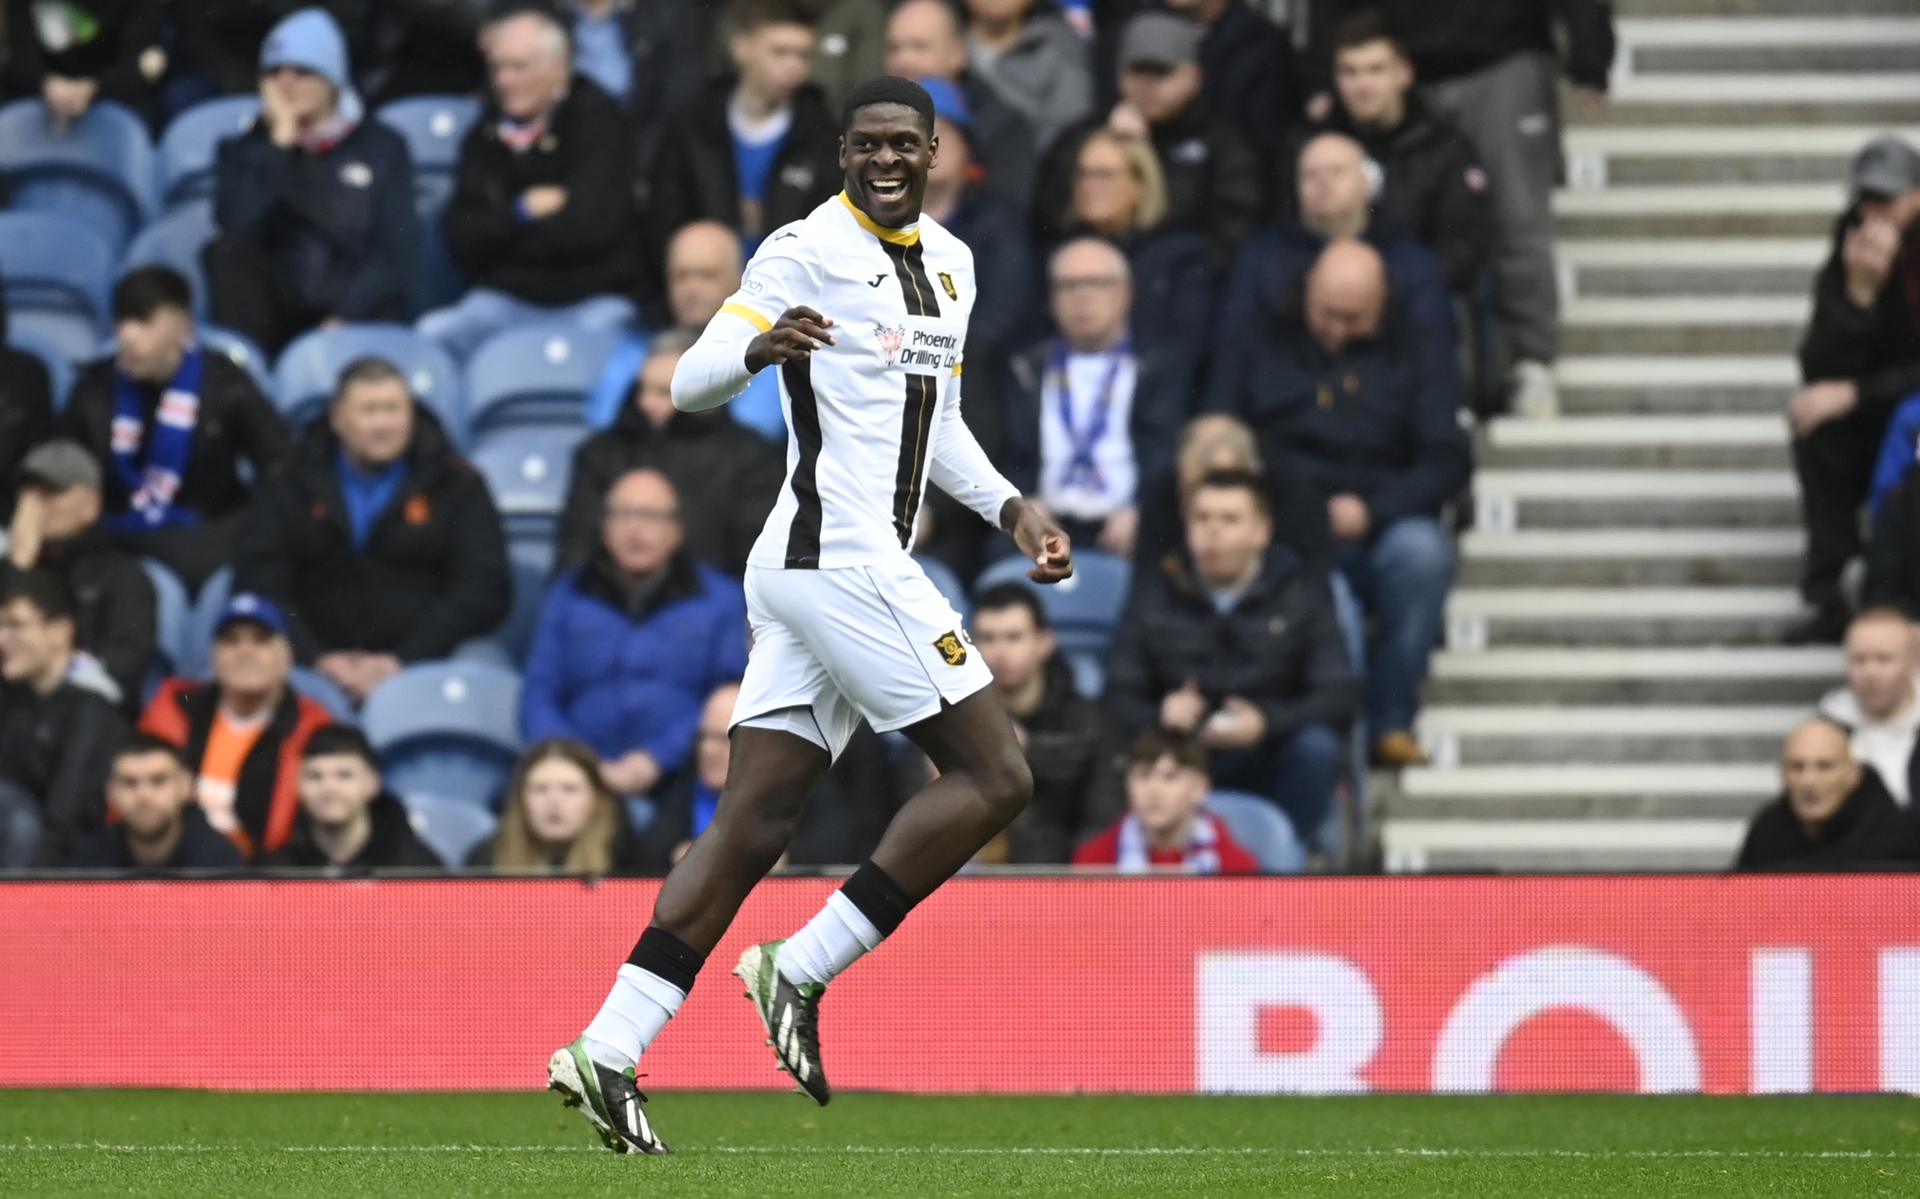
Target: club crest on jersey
(891,339)
(952,650)
(946,281)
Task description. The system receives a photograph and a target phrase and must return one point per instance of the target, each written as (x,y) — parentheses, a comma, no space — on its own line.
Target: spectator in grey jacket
(1031,56)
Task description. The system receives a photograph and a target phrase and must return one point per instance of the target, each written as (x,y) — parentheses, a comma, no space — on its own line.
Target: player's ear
(843,151)
(933,150)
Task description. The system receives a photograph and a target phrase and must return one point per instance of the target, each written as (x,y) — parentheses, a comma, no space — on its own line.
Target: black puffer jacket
(1869,831)
(57,748)
(1280,648)
(1458,38)
(1074,754)
(116,621)
(1878,347)
(433,572)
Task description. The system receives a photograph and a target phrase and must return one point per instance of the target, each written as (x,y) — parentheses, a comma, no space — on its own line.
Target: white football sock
(833,940)
(637,1008)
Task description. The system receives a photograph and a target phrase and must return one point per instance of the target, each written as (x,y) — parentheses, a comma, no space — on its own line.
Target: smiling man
(862,307)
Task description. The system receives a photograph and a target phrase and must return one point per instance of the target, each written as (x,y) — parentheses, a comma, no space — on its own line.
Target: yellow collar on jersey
(899,237)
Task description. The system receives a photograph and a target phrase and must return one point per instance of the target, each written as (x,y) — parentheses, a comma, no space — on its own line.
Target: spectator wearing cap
(1089,414)
(1038,63)
(1216,186)
(177,430)
(756,150)
(157,827)
(76,52)
(1433,187)
(381,544)
(728,475)
(54,734)
(242,734)
(348,822)
(1166,825)
(629,645)
(541,216)
(314,203)
(56,527)
(1248,76)
(1833,813)
(925,39)
(1860,357)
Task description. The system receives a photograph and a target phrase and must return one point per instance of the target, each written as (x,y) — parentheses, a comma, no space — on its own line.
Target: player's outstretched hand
(798,333)
(1040,538)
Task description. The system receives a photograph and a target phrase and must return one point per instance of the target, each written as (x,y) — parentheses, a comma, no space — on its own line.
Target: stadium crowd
(1242,288)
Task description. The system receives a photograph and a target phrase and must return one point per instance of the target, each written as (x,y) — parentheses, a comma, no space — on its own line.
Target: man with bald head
(1364,402)
(541,217)
(925,40)
(1832,812)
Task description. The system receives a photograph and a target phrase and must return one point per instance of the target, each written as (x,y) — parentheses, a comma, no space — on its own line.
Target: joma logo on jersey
(952,650)
(891,339)
(946,281)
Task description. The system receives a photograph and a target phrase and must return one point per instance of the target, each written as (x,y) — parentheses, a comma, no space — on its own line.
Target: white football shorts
(837,645)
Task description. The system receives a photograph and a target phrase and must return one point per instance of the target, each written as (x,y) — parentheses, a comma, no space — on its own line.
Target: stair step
(1688,311)
(1663,790)
(1552,734)
(1619,616)
(1679,441)
(1612,557)
(1767,87)
(1420,846)
(1615,384)
(1602,268)
(1613,675)
(1727,32)
(1823,199)
(1723,9)
(1665,155)
(1508,499)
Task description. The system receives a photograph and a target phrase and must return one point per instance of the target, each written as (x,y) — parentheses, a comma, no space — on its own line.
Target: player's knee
(1007,784)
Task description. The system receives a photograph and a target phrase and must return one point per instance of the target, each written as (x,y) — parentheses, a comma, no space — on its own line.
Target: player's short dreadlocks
(887,89)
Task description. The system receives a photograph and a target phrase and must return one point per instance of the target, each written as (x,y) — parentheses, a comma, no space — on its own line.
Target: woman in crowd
(560,818)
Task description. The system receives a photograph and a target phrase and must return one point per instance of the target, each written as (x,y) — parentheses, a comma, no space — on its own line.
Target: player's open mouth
(887,189)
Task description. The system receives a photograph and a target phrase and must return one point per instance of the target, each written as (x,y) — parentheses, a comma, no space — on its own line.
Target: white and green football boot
(607,1098)
(791,1015)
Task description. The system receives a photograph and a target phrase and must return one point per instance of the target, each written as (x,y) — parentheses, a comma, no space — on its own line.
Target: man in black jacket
(1248,73)
(171,425)
(56,527)
(54,736)
(727,476)
(158,826)
(1833,813)
(1365,403)
(1069,744)
(314,203)
(26,411)
(650,56)
(1234,641)
(542,211)
(758,150)
(1005,276)
(1860,358)
(1434,188)
(381,544)
(348,822)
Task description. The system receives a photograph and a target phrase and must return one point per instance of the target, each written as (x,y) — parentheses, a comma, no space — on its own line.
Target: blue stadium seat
(325,692)
(1084,609)
(434,127)
(175,240)
(192,140)
(243,354)
(446,728)
(171,612)
(450,827)
(535,375)
(310,366)
(60,370)
(1262,829)
(202,615)
(531,566)
(527,470)
(946,583)
(99,170)
(58,276)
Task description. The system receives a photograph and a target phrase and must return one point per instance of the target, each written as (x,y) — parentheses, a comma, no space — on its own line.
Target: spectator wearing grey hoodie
(1036,62)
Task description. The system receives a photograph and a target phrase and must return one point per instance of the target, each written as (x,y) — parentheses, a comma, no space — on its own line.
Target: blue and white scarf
(1201,856)
(153,484)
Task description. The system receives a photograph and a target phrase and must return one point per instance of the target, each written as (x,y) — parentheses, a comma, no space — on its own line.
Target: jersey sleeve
(959,467)
(779,277)
(715,369)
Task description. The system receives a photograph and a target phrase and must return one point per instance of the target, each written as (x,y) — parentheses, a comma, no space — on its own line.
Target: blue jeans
(1402,576)
(1298,772)
(463,327)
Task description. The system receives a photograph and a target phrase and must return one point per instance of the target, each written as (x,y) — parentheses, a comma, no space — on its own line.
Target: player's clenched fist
(1039,537)
(798,333)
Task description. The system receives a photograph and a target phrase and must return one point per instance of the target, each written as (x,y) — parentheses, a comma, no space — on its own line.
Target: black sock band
(878,897)
(660,952)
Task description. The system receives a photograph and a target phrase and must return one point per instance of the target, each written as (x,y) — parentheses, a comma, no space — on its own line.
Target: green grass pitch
(189,1143)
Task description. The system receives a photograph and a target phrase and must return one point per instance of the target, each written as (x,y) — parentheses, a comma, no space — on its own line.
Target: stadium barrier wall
(1719,984)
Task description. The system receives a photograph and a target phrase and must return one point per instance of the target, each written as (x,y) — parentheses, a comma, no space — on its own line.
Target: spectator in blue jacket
(630,645)
(1364,402)
(314,203)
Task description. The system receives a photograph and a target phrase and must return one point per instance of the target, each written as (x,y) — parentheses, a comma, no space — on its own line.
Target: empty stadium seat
(536,375)
(325,692)
(527,471)
(446,728)
(171,611)
(202,614)
(309,368)
(1262,829)
(60,370)
(243,354)
(98,170)
(191,143)
(58,276)
(175,240)
(450,827)
(1084,610)
(434,127)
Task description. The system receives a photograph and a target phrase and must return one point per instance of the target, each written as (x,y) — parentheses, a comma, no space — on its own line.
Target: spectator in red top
(1167,825)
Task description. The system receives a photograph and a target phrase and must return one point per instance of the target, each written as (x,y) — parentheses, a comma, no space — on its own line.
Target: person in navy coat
(630,644)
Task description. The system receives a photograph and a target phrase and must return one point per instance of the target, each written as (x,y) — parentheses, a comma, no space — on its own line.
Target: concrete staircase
(1613,689)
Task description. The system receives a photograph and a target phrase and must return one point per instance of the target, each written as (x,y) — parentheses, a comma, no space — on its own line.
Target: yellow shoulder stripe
(748,315)
(899,237)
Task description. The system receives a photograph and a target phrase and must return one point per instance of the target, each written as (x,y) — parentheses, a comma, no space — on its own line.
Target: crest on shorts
(891,339)
(946,281)
(951,648)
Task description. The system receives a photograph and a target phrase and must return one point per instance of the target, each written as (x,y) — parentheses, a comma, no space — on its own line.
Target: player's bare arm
(797,334)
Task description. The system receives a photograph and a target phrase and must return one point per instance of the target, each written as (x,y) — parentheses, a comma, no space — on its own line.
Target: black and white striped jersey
(873,416)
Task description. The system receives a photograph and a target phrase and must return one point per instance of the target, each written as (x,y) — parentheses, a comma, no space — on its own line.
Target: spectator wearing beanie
(542,211)
(314,203)
(75,52)
(156,827)
(177,430)
(381,543)
(348,821)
